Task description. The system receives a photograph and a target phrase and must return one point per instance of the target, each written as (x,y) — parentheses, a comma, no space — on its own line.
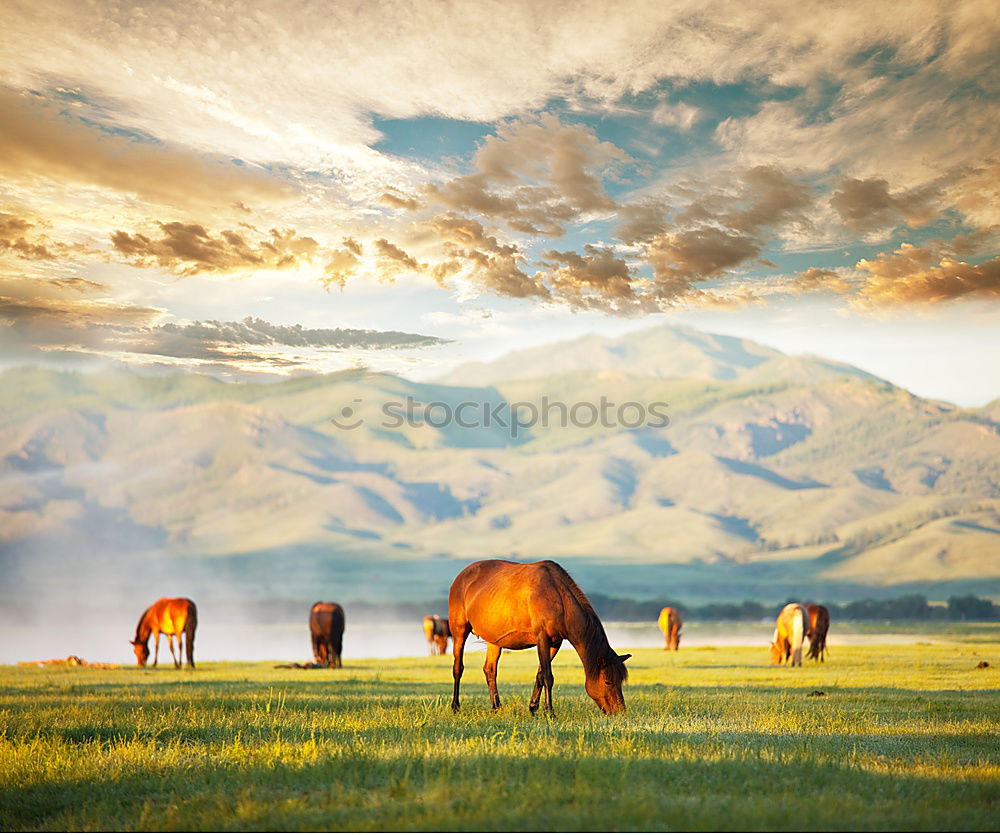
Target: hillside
(776,475)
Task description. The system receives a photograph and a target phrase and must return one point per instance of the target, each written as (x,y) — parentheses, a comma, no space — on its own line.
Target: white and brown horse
(789,632)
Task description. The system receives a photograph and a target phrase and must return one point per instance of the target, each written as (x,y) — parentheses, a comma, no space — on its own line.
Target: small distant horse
(789,631)
(516,606)
(437,632)
(670,625)
(326,623)
(169,616)
(819,625)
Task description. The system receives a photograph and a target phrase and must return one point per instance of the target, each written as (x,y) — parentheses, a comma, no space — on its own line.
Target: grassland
(905,738)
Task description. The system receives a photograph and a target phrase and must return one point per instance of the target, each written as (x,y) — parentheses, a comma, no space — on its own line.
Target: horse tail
(798,633)
(190,625)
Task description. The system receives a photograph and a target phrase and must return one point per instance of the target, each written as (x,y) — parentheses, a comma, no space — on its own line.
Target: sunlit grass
(905,738)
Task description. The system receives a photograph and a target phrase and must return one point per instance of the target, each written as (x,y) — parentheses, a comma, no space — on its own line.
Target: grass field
(905,738)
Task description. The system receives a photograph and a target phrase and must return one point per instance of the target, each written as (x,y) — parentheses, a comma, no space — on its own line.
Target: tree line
(907,607)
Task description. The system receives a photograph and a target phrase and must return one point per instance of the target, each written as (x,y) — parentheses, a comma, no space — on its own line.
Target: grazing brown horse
(437,632)
(670,625)
(516,606)
(819,625)
(789,630)
(169,616)
(326,623)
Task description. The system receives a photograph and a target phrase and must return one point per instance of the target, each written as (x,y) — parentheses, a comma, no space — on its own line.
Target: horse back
(507,603)
(819,619)
(326,619)
(170,615)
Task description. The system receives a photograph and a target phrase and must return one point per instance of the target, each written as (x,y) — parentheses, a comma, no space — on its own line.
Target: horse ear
(625,657)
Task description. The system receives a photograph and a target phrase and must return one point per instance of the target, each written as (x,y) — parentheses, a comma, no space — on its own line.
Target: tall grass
(904,738)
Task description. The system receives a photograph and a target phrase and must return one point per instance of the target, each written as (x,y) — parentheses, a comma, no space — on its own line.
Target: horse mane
(138,626)
(594,636)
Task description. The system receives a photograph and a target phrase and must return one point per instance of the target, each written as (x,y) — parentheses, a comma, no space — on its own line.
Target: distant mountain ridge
(661,352)
(776,475)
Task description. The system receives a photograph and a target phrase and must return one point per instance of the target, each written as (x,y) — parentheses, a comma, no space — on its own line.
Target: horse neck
(145,626)
(586,634)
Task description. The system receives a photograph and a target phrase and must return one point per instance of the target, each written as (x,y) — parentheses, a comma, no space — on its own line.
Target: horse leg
(317,650)
(170,643)
(546,652)
(156,653)
(459,633)
(490,671)
(540,680)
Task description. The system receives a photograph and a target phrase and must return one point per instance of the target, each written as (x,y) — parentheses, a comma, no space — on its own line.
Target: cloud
(922,275)
(469,252)
(37,142)
(819,279)
(765,126)
(536,176)
(307,89)
(641,221)
(394,261)
(680,115)
(39,315)
(865,205)
(597,279)
(213,340)
(342,263)
(975,192)
(18,238)
(188,249)
(398,201)
(679,259)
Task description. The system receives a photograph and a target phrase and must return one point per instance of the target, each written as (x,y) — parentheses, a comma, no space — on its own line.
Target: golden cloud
(37,142)
(188,249)
(918,275)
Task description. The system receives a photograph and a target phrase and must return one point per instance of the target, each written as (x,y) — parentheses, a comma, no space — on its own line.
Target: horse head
(141,652)
(777,652)
(605,686)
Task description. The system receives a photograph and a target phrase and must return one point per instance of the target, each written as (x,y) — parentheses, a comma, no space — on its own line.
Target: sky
(290,187)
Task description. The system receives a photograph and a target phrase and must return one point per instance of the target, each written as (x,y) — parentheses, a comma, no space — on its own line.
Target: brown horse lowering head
(604,685)
(141,652)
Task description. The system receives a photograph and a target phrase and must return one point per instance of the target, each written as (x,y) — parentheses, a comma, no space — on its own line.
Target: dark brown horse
(326,623)
(169,616)
(819,625)
(516,606)
(437,632)
(670,625)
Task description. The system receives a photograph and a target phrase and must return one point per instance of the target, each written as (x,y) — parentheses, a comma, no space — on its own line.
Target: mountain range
(774,475)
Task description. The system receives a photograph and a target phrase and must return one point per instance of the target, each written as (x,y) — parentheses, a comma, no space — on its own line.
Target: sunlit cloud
(626,161)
